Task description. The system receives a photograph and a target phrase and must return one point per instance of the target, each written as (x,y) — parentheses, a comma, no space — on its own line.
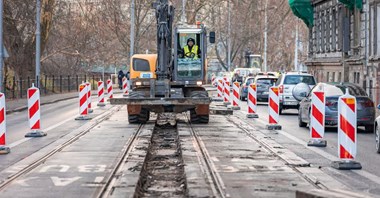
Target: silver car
(377,132)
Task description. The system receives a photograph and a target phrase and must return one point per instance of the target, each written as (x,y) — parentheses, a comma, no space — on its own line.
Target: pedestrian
(120,78)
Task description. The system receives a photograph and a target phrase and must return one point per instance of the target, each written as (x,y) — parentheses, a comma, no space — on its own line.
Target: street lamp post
(38,42)
(229,37)
(132,44)
(265,35)
(1,45)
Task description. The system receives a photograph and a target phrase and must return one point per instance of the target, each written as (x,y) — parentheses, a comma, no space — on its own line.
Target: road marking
(64,168)
(97,182)
(63,181)
(92,168)
(363,173)
(22,182)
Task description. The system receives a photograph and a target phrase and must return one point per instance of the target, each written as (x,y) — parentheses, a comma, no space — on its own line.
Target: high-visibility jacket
(193,50)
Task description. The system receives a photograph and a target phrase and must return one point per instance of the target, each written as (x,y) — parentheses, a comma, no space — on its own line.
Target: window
(140,65)
(340,77)
(333,77)
(328,77)
(189,62)
(295,79)
(372,27)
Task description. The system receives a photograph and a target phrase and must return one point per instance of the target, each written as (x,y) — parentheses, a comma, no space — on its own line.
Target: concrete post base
(226,103)
(83,118)
(36,134)
(101,104)
(317,143)
(235,108)
(4,150)
(252,115)
(346,165)
(90,111)
(273,127)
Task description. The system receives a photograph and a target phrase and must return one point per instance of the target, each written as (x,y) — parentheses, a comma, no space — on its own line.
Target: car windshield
(140,65)
(189,67)
(266,81)
(295,79)
(249,81)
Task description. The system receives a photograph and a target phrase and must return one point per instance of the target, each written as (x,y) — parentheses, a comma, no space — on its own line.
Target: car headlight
(199,83)
(138,83)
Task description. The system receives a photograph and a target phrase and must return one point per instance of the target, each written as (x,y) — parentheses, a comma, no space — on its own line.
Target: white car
(377,132)
(286,82)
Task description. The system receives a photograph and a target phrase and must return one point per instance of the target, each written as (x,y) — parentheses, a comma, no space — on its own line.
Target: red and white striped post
(236,96)
(347,133)
(125,87)
(317,119)
(3,144)
(101,102)
(252,101)
(220,90)
(89,98)
(213,80)
(109,89)
(274,108)
(34,113)
(227,88)
(83,106)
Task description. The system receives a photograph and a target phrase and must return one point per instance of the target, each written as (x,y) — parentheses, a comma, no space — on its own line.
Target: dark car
(365,106)
(244,88)
(263,84)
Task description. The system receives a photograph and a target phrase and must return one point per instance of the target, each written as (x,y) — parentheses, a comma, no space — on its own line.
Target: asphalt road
(295,138)
(51,114)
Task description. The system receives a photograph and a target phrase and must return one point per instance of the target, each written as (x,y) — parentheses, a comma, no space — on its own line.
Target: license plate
(290,103)
(145,75)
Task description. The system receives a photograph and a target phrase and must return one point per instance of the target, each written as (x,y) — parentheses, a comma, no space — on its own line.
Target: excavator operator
(191,50)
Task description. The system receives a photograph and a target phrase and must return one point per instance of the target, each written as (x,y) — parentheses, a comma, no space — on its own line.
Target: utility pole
(38,43)
(229,37)
(265,35)
(132,44)
(183,18)
(1,45)
(296,49)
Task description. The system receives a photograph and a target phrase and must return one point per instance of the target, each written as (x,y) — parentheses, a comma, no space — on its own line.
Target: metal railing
(17,88)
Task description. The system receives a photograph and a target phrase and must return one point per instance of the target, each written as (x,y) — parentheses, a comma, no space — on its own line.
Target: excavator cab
(190,61)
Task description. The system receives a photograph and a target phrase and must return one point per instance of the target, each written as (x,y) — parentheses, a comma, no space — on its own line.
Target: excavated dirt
(163,173)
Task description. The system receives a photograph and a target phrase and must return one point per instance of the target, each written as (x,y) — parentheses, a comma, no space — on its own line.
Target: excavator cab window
(189,57)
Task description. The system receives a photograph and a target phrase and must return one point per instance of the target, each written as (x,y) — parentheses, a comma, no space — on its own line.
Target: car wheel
(377,135)
(300,123)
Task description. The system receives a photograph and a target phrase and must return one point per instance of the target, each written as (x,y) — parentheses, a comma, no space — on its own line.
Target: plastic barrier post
(252,101)
(4,149)
(34,113)
(274,108)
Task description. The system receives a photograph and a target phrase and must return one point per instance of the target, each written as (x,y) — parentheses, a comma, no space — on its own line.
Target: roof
(266,76)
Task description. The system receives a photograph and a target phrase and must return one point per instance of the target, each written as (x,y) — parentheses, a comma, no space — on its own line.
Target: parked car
(365,106)
(244,87)
(377,132)
(263,84)
(286,82)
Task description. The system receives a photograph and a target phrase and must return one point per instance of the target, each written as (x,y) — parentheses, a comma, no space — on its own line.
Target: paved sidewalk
(22,104)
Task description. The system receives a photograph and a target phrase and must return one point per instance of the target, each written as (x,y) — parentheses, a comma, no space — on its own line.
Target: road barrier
(101,94)
(34,113)
(347,133)
(3,146)
(109,89)
(274,108)
(317,119)
(252,101)
(220,89)
(236,96)
(125,87)
(83,106)
(227,88)
(213,81)
(89,98)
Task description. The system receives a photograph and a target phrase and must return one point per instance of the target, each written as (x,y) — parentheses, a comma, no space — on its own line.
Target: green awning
(351,4)
(303,10)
